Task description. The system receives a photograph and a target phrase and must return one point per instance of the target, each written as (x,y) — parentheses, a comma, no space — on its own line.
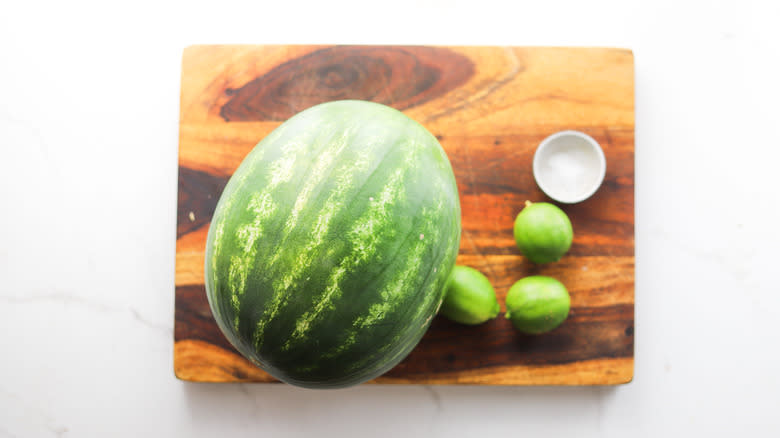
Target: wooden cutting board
(489,107)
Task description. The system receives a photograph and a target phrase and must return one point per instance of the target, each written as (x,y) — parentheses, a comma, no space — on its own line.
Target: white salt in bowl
(569,166)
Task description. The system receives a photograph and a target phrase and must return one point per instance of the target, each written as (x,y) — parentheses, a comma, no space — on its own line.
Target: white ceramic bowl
(569,166)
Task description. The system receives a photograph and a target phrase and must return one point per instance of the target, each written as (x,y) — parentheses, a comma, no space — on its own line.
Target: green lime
(537,304)
(543,232)
(470,298)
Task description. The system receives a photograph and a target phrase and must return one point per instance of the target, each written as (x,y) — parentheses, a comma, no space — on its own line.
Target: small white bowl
(569,166)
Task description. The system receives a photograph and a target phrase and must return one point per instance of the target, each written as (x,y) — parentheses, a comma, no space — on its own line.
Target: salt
(571,169)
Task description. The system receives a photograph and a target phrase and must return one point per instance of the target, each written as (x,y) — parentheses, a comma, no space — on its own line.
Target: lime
(537,304)
(543,232)
(470,298)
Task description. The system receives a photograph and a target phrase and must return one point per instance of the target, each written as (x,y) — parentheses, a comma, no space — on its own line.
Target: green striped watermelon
(330,246)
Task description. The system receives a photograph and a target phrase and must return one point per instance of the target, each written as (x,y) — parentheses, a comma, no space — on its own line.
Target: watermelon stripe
(426,289)
(347,175)
(381,276)
(305,257)
(379,311)
(263,208)
(399,342)
(392,302)
(396,290)
(218,224)
(365,238)
(316,175)
(451,247)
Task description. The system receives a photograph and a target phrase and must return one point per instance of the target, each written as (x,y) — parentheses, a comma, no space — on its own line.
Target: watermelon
(331,245)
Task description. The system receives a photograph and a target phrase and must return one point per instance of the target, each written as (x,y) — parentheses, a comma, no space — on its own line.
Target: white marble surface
(88,137)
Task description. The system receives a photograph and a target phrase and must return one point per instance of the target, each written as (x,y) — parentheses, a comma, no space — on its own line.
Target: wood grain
(398,76)
(489,107)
